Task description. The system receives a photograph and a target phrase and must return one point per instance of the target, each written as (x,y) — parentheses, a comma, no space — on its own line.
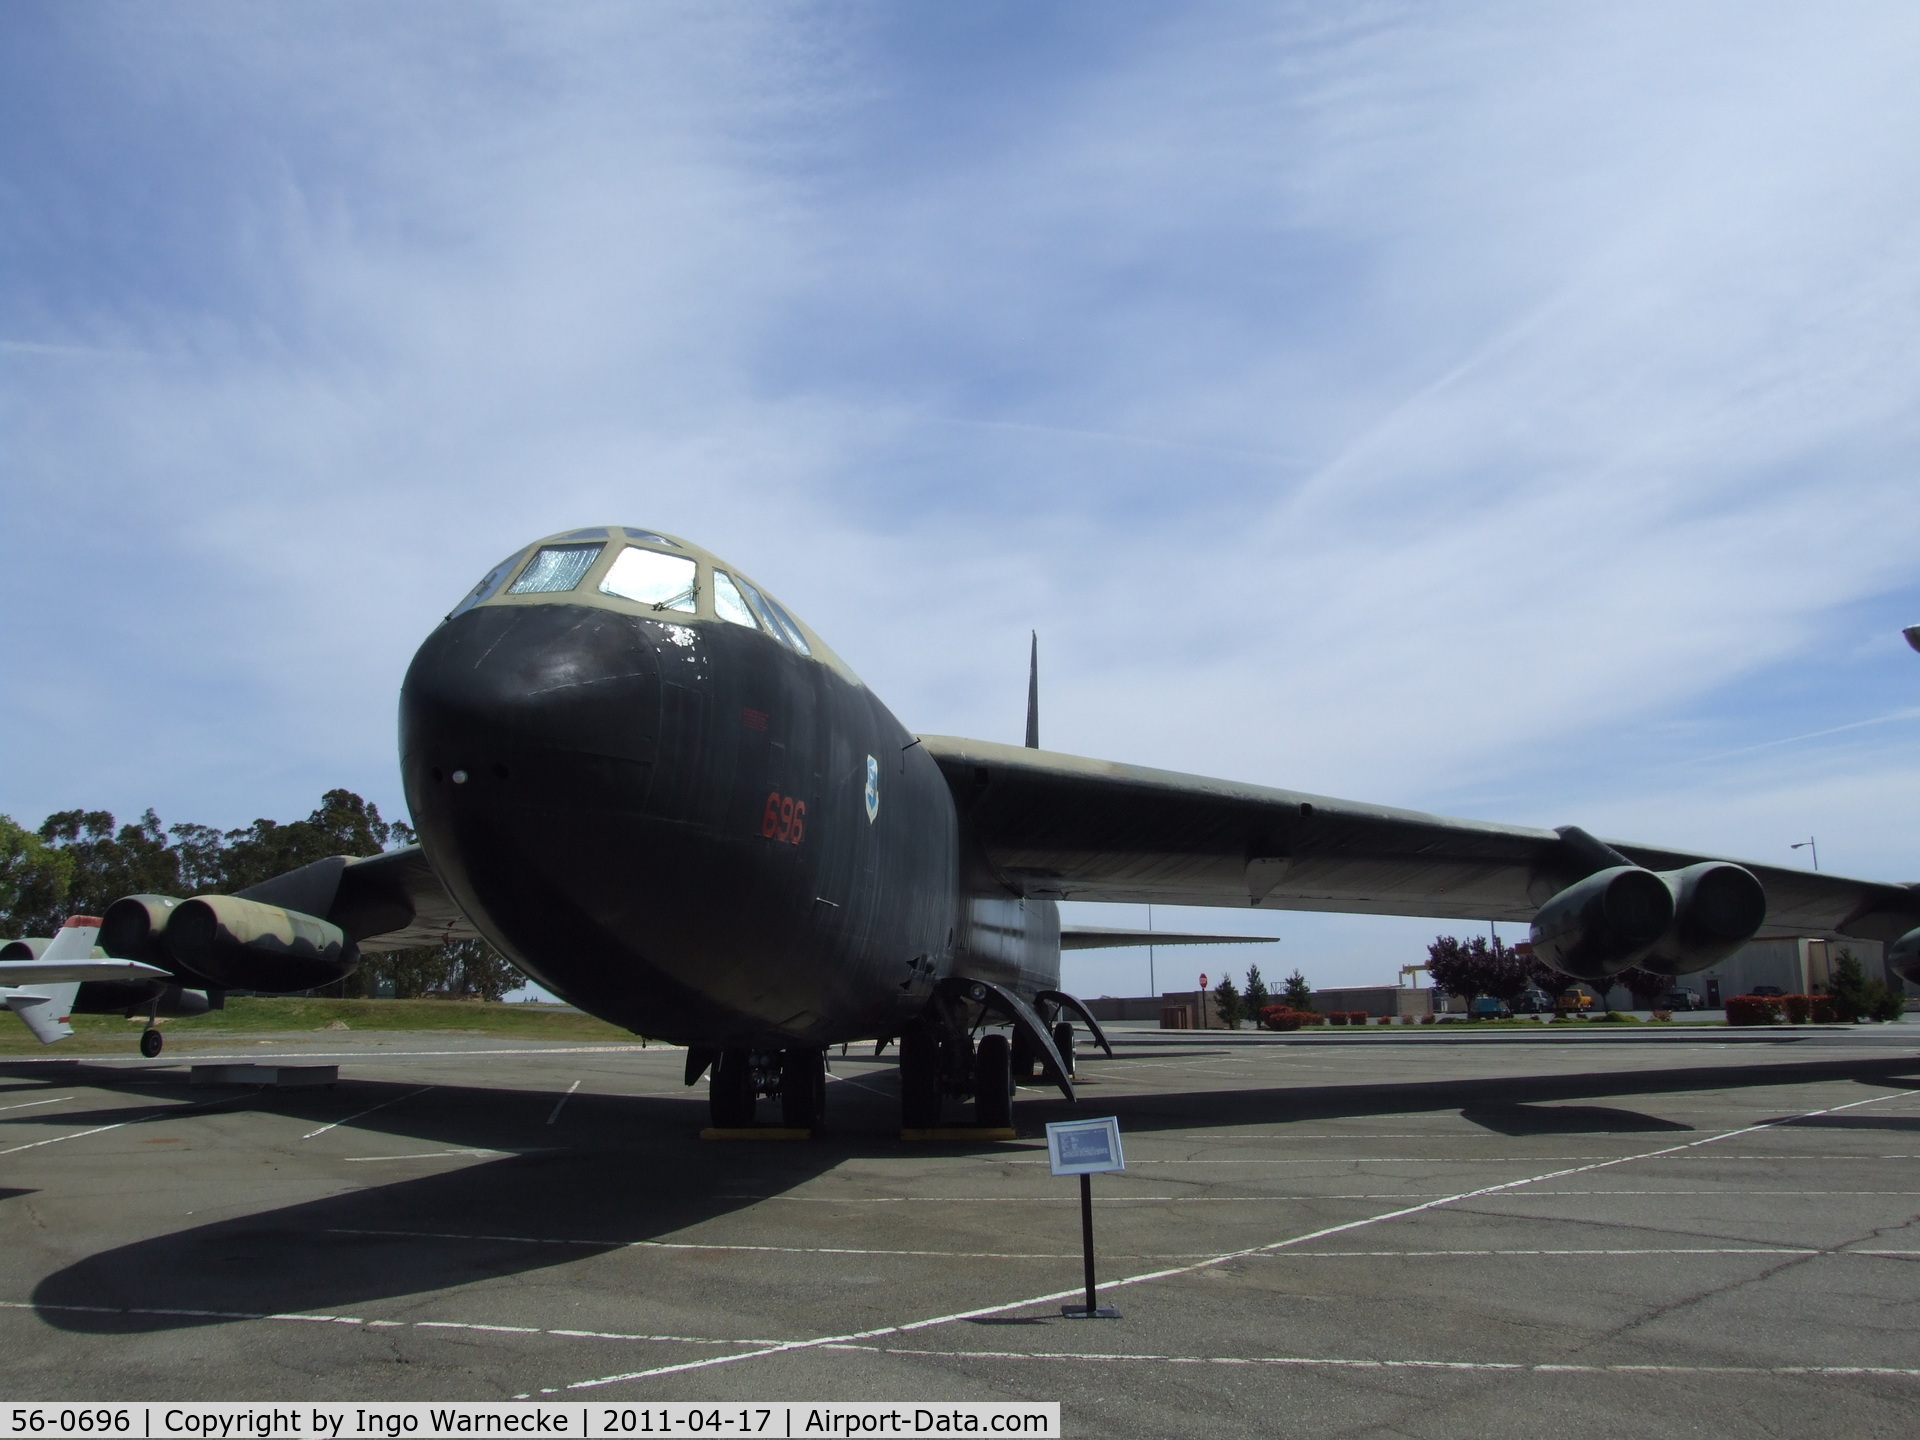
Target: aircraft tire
(993,1083)
(730,1093)
(803,1088)
(1023,1059)
(1063,1042)
(919,1079)
(150,1043)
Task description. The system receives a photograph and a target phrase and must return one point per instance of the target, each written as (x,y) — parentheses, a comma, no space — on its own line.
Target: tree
(1854,997)
(343,825)
(1227,1000)
(1471,968)
(102,865)
(1256,996)
(1298,995)
(35,878)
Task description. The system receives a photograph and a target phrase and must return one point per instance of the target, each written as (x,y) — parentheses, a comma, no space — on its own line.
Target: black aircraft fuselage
(672,805)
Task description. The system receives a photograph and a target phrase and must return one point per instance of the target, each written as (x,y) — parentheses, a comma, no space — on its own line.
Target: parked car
(1533,1002)
(1681,1000)
(1486,1007)
(1772,990)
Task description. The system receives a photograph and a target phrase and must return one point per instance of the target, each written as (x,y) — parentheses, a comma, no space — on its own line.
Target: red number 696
(784,819)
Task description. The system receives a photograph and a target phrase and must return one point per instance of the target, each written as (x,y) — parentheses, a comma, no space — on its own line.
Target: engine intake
(1903,956)
(245,945)
(1599,926)
(1717,908)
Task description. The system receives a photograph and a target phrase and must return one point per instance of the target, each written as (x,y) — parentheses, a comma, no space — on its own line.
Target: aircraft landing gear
(803,1088)
(150,1043)
(732,1093)
(993,1083)
(919,1078)
(1063,1042)
(1024,1061)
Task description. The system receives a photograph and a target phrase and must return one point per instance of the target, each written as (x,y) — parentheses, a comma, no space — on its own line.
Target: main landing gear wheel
(803,1088)
(919,1078)
(1063,1042)
(150,1043)
(993,1083)
(731,1093)
(1024,1060)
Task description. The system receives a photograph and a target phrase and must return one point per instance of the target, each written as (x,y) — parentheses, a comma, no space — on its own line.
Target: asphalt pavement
(1401,1233)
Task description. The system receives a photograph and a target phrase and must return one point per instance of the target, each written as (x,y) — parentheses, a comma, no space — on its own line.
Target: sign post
(1085,1148)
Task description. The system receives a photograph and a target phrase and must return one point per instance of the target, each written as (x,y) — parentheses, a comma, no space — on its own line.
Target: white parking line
(299,1319)
(1310,1362)
(368,1111)
(29,1104)
(562,1101)
(165,1114)
(750,1249)
(1209,1263)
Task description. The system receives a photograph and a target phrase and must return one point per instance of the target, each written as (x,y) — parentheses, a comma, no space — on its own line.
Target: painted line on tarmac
(562,1101)
(166,1114)
(746,1249)
(359,1114)
(28,1104)
(1310,1362)
(1211,1262)
(178,1313)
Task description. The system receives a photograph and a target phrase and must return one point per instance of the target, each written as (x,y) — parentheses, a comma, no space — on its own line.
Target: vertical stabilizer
(46,1008)
(1033,693)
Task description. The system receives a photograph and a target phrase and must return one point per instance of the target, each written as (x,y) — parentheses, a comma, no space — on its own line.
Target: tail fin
(46,1009)
(1033,693)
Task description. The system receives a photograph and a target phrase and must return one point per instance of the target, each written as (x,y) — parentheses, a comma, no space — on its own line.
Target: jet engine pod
(1603,924)
(1717,908)
(135,928)
(1903,957)
(244,945)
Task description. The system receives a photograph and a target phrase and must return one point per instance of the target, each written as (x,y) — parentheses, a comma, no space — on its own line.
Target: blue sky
(1505,410)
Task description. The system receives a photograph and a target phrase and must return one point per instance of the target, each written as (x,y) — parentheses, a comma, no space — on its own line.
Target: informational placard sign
(1085,1147)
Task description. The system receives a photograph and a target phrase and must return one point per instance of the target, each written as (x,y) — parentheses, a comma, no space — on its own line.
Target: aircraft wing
(390,901)
(14,973)
(1046,824)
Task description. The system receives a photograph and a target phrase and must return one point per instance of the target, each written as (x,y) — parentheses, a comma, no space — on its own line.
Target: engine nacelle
(135,928)
(1903,957)
(1598,927)
(245,945)
(1717,908)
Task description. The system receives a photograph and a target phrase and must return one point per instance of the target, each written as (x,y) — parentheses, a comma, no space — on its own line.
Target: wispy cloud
(1417,404)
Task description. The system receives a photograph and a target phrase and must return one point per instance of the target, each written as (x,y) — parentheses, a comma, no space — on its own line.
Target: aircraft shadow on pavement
(619,1169)
(635,1172)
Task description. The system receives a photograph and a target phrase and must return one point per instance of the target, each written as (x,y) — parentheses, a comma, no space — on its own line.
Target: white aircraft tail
(47,1009)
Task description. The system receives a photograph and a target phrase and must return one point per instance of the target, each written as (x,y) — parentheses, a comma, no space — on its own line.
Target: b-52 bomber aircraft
(666,799)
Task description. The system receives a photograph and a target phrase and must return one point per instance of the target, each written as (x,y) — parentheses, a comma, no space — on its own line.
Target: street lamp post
(1807,844)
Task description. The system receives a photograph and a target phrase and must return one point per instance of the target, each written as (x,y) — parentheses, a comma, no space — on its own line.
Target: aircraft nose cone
(507,682)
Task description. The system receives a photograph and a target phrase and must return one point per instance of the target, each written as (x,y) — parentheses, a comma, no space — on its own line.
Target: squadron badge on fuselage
(873,789)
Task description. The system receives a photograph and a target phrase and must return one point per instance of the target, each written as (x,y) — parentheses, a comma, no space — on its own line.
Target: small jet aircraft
(666,799)
(47,982)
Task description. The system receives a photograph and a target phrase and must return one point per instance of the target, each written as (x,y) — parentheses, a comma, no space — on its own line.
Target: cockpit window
(666,582)
(555,568)
(777,622)
(794,637)
(596,532)
(728,603)
(489,585)
(649,536)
